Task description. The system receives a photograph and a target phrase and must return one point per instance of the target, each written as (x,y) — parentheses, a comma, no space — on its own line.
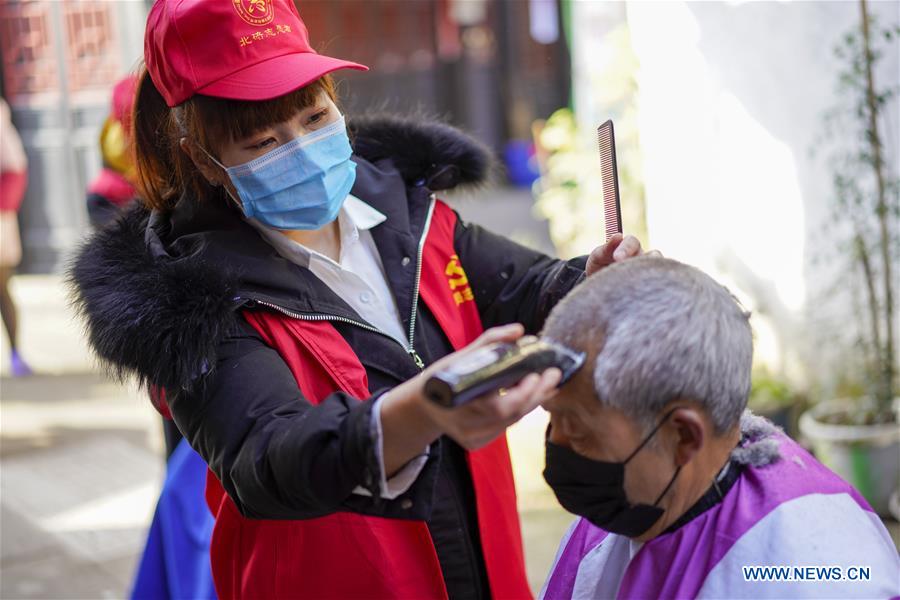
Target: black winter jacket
(161,295)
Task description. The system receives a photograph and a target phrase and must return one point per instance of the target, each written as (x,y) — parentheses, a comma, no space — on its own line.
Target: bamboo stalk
(888,367)
(862,254)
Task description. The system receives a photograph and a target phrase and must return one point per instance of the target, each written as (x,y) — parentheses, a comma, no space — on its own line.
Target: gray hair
(661,330)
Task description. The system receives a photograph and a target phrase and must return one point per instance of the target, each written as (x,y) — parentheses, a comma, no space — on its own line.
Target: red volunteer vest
(347,555)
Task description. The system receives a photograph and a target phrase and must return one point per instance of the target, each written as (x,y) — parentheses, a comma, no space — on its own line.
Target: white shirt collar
(361,214)
(355,215)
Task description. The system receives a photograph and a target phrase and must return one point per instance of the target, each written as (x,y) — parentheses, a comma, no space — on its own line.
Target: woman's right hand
(477,423)
(411,421)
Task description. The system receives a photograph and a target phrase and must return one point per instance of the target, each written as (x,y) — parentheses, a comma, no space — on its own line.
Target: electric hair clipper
(497,366)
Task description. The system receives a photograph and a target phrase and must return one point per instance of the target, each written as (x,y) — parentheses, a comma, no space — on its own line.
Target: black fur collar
(161,320)
(430,153)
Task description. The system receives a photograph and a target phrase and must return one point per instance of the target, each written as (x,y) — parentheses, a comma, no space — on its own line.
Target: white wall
(730,109)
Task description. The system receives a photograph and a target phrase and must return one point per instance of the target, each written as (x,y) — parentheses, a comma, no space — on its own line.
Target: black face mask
(595,490)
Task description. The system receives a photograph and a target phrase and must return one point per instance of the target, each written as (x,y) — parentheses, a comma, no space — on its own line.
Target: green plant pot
(866,456)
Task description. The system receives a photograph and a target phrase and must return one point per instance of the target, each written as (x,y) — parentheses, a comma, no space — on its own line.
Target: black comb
(612,211)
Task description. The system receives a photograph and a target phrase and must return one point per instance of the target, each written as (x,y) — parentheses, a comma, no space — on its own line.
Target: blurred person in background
(678,487)
(113,188)
(13,181)
(287,288)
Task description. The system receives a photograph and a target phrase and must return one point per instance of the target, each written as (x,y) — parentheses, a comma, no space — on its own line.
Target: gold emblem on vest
(458,282)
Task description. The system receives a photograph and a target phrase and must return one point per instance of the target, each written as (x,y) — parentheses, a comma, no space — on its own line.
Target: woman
(13,181)
(288,292)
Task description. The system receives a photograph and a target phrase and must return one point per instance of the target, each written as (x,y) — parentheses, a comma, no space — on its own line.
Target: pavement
(80,462)
(81,456)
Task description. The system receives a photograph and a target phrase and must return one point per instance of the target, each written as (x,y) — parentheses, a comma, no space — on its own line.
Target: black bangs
(223,120)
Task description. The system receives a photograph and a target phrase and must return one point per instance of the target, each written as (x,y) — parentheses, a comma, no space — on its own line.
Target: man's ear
(690,430)
(211,171)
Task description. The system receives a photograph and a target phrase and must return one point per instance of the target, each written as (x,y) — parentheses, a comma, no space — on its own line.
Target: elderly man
(682,493)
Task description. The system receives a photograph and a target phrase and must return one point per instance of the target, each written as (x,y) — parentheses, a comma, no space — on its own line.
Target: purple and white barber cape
(793,512)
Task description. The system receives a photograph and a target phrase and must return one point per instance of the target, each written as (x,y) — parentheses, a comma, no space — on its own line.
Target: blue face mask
(300,185)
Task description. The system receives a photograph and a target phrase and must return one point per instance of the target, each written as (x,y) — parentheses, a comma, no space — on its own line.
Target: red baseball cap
(238,49)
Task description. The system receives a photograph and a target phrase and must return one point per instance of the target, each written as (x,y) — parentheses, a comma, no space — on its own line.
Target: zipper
(325,317)
(415,303)
(410,350)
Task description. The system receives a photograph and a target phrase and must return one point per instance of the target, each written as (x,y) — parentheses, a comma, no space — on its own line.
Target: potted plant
(859,437)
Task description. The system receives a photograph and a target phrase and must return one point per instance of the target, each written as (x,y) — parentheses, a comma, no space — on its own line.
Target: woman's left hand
(617,249)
